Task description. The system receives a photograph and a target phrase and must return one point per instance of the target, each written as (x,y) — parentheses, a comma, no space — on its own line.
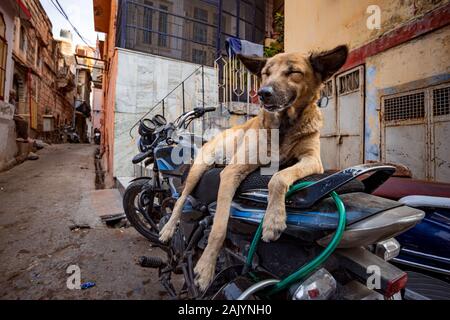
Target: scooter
(356,268)
(70,134)
(97,136)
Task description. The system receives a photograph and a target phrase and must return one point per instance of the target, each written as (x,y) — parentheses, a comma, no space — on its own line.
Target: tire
(424,287)
(136,218)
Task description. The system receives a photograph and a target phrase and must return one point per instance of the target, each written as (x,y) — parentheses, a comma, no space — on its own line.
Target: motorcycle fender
(140,178)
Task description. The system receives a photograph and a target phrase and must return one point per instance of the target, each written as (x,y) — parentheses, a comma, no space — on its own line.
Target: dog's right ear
(327,63)
(253,63)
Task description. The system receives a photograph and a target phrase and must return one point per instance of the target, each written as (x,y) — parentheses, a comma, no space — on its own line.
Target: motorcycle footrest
(151,262)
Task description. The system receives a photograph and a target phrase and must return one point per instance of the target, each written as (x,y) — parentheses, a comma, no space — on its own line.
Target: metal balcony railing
(188,30)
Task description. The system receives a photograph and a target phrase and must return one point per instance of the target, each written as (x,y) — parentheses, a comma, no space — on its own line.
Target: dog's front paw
(167,232)
(274,224)
(204,273)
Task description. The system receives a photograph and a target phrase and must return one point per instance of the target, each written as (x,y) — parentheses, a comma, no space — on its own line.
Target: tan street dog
(289,90)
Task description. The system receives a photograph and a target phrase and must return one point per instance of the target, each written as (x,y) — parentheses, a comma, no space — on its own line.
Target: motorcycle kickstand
(165,279)
(189,282)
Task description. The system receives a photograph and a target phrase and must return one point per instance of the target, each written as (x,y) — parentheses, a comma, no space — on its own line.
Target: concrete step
(122,183)
(99,205)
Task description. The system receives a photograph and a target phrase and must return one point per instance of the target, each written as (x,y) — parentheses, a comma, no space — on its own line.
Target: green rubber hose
(317,261)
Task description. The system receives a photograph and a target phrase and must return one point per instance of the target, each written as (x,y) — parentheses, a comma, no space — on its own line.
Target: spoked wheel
(143,209)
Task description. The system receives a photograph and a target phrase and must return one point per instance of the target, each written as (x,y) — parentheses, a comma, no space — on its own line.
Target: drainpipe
(76,99)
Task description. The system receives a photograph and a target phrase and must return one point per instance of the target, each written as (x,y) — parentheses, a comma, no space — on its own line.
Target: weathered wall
(425,61)
(143,80)
(8,15)
(97,110)
(105,16)
(8,147)
(327,23)
(36,68)
(410,50)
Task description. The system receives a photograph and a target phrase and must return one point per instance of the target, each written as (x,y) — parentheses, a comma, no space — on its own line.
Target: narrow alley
(39,202)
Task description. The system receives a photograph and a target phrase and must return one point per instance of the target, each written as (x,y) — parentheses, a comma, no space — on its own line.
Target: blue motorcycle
(358,269)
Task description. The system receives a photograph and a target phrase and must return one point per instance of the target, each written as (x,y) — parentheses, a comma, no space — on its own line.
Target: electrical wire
(60,9)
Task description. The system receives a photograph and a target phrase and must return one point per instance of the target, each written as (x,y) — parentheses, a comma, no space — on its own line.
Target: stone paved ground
(39,201)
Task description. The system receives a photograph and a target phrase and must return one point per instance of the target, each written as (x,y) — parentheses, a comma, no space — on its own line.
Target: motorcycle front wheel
(134,209)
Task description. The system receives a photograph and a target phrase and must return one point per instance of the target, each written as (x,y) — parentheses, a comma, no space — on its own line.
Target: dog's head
(293,79)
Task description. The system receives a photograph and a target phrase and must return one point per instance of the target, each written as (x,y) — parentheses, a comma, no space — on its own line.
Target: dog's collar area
(271,108)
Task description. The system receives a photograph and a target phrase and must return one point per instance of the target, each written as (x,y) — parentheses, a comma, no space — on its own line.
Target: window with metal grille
(163,26)
(327,90)
(200,31)
(405,107)
(198,56)
(349,82)
(148,22)
(441,103)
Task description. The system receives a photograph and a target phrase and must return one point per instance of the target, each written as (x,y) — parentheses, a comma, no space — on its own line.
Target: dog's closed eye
(294,73)
(289,72)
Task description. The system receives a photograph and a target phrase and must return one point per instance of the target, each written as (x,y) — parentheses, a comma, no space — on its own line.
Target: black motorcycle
(357,269)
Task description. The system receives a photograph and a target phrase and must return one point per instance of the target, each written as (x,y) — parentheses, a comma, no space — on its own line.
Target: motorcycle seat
(208,186)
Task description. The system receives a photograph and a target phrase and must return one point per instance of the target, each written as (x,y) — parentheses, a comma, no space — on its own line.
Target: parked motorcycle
(70,135)
(357,269)
(425,249)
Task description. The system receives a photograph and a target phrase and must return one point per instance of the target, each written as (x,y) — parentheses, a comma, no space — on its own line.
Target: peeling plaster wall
(8,15)
(425,61)
(8,146)
(326,23)
(142,81)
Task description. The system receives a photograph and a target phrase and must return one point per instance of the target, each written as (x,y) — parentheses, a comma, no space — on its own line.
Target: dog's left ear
(327,63)
(253,63)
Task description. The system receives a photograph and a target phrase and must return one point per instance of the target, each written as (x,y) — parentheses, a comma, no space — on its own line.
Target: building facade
(35,82)
(188,30)
(8,148)
(37,88)
(390,102)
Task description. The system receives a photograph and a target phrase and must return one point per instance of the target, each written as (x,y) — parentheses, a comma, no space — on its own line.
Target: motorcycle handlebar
(196,113)
(141,156)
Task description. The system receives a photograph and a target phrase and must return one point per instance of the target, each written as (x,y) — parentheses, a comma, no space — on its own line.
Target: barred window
(148,22)
(327,90)
(441,105)
(405,107)
(198,56)
(349,82)
(163,27)
(200,30)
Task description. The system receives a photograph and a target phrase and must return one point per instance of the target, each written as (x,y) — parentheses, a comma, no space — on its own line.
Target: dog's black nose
(265,93)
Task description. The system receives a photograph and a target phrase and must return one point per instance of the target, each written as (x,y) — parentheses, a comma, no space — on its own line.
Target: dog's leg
(201,164)
(275,217)
(230,179)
